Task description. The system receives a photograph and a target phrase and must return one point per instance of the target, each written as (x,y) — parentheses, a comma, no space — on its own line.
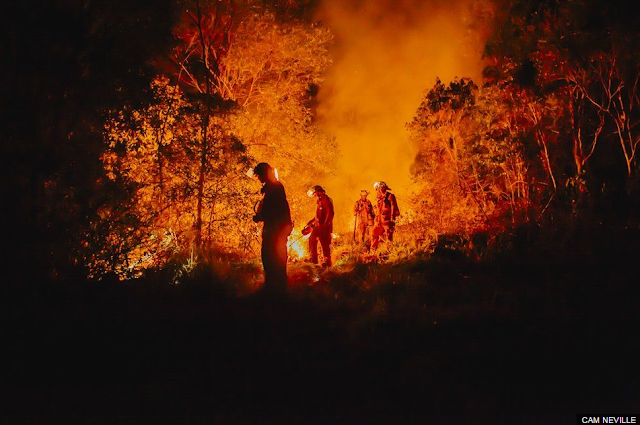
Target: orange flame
(296,245)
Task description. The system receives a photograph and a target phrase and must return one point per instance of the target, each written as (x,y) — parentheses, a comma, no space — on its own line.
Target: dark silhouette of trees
(560,96)
(66,63)
(584,55)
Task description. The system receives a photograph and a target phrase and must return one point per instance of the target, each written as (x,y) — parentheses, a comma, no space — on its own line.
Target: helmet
(262,169)
(314,189)
(381,185)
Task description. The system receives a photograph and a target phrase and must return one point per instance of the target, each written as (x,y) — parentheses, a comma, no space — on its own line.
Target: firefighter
(322,226)
(364,215)
(273,211)
(386,212)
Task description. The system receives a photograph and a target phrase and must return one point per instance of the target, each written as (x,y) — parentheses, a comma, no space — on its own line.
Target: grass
(537,333)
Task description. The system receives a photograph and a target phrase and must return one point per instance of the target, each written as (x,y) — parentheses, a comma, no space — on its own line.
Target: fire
(376,82)
(296,245)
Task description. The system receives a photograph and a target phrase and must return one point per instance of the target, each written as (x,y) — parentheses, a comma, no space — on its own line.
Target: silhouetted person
(386,212)
(363,211)
(273,211)
(322,227)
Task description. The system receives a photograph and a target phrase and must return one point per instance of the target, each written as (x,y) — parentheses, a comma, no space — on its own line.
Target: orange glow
(370,60)
(386,54)
(297,245)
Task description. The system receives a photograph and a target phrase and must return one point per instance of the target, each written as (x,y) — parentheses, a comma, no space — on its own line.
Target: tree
(470,164)
(65,64)
(441,165)
(240,91)
(581,58)
(272,71)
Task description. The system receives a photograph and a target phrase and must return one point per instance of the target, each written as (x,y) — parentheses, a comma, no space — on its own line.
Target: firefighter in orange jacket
(363,212)
(273,211)
(322,226)
(386,212)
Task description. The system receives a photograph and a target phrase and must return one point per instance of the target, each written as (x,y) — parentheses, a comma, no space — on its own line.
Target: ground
(534,338)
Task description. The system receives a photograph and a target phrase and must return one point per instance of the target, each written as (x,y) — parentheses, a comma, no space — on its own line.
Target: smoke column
(386,54)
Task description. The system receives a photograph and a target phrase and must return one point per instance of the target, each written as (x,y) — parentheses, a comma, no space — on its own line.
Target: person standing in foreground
(322,226)
(386,212)
(273,210)
(364,215)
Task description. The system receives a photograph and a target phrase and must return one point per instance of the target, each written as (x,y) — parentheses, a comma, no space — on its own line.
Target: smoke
(386,54)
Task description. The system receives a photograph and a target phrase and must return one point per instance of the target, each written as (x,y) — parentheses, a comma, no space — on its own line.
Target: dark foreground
(534,338)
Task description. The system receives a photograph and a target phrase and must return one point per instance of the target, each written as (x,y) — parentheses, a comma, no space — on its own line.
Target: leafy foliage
(272,70)
(238,96)
(469,168)
(554,124)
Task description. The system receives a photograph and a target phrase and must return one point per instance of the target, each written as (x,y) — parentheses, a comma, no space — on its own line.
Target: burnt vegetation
(511,291)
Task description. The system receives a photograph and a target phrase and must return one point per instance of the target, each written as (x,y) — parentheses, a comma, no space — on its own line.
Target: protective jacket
(274,211)
(274,208)
(322,228)
(364,211)
(324,213)
(387,208)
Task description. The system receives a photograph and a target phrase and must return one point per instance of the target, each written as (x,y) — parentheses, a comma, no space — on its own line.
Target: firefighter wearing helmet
(321,226)
(386,212)
(364,216)
(273,210)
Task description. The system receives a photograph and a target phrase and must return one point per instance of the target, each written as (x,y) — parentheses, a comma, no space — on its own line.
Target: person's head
(364,194)
(264,172)
(381,187)
(315,190)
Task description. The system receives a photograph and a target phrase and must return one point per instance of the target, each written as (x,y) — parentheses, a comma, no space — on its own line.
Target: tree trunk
(205,130)
(201,177)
